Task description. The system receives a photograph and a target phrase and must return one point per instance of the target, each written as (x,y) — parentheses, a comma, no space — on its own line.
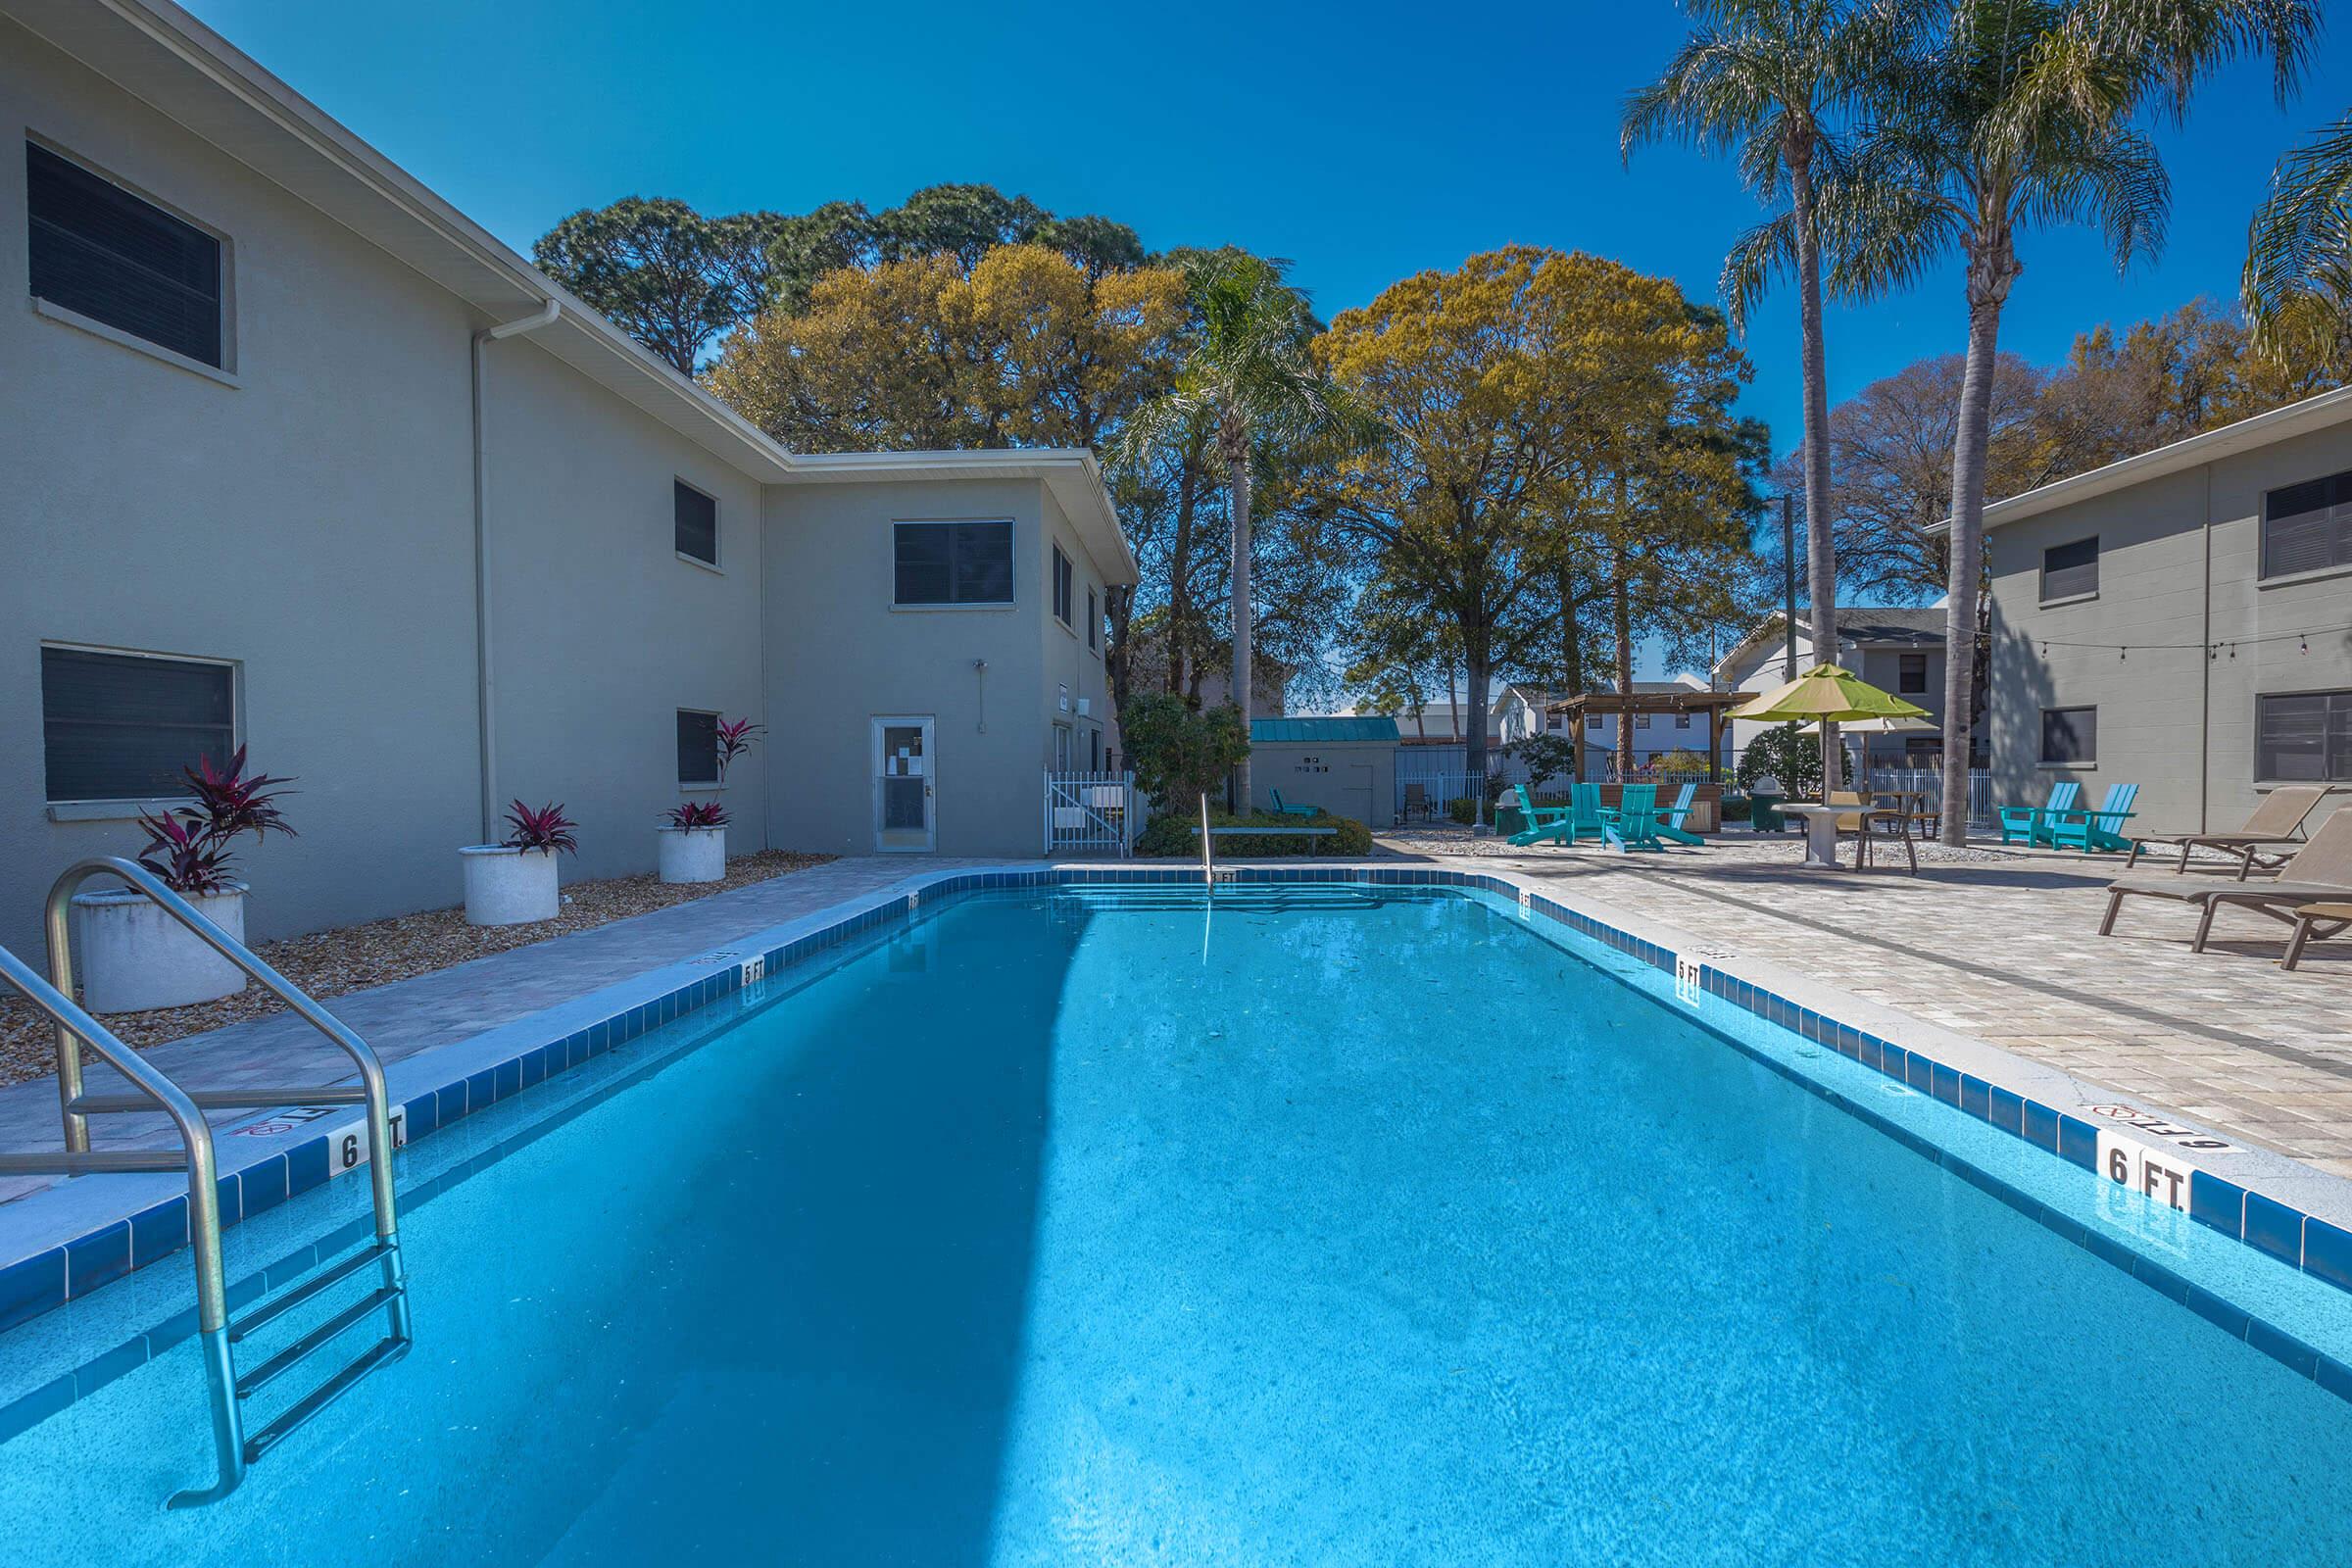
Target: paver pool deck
(2005,945)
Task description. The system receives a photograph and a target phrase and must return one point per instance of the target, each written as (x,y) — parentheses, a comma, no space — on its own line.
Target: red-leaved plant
(698,813)
(735,736)
(546,828)
(191,847)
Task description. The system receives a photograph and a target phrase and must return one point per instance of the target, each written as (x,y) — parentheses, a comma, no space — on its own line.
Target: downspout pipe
(485,683)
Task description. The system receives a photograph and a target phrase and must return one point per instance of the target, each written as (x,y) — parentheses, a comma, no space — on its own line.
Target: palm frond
(2297,285)
(1761,257)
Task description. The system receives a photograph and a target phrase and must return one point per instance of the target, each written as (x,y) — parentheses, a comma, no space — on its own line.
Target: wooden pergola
(1599,703)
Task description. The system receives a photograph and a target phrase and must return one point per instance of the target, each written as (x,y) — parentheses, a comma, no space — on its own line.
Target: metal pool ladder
(157,1092)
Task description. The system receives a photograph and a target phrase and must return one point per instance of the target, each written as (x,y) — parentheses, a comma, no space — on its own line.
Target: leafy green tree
(1179,755)
(2298,279)
(672,278)
(1249,374)
(2018,114)
(1763,81)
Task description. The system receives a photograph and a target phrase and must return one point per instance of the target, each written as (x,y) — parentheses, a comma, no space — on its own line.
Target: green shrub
(1175,836)
(1736,807)
(1179,755)
(1462,809)
(1792,756)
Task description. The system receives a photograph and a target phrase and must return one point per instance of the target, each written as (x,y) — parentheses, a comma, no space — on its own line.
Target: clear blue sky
(1364,141)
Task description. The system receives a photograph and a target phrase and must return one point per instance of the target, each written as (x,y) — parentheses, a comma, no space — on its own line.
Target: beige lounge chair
(2315,920)
(2276,826)
(2320,872)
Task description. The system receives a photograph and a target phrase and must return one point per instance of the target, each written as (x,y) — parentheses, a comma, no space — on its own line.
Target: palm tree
(1762,81)
(2298,279)
(2019,115)
(1250,372)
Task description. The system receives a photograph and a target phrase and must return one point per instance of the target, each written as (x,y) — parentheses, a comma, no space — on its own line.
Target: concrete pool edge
(85,1243)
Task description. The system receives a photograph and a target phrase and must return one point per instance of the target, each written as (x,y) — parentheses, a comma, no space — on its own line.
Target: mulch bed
(327,964)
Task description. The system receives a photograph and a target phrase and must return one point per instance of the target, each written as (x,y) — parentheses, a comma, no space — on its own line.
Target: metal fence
(1930,782)
(1093,813)
(1430,797)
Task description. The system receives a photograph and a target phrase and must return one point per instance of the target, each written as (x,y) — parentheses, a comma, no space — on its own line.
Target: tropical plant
(191,846)
(698,813)
(1545,758)
(1250,373)
(735,737)
(2298,279)
(1788,754)
(1179,755)
(2019,115)
(544,828)
(1763,81)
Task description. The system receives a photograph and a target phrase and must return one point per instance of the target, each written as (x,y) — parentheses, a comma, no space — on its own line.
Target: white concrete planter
(507,886)
(692,853)
(136,957)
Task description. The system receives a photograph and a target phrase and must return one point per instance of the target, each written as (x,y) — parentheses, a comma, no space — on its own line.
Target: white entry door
(903,785)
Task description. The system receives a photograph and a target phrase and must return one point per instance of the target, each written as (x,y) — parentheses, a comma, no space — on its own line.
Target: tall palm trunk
(1990,270)
(1821,554)
(1236,438)
(1180,569)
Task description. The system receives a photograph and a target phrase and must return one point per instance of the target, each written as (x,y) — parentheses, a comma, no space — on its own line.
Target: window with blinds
(952,563)
(698,747)
(693,524)
(2307,526)
(2069,570)
(97,250)
(2304,737)
(2070,735)
(121,726)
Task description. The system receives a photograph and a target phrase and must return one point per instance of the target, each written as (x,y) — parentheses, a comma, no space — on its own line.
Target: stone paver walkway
(2005,946)
(449,1006)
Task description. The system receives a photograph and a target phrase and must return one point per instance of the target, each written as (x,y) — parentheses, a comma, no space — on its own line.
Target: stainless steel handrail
(204,1197)
(75,1028)
(1208,862)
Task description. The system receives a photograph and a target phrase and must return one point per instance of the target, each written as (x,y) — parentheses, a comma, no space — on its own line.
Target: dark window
(1911,673)
(1682,721)
(2070,734)
(953,563)
(100,251)
(120,727)
(1591,722)
(1094,619)
(695,530)
(1061,586)
(2071,568)
(2307,526)
(698,747)
(2305,738)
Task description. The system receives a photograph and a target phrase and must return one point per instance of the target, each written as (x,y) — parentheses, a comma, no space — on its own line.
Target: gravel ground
(327,964)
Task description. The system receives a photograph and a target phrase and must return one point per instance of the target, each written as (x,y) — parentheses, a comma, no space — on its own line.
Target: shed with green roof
(1345,765)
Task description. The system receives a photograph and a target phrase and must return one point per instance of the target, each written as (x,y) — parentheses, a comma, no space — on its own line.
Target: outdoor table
(1821,828)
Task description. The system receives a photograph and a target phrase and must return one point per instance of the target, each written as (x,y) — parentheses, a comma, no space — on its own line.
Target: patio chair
(2029,822)
(1669,827)
(1634,824)
(1417,801)
(2320,872)
(1290,811)
(2315,920)
(1537,817)
(2097,831)
(1552,825)
(2264,843)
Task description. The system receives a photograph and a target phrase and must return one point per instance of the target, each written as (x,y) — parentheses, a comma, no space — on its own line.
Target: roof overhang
(1070,474)
(2320,412)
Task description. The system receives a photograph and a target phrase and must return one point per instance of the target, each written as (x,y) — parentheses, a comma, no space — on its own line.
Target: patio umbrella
(1827,693)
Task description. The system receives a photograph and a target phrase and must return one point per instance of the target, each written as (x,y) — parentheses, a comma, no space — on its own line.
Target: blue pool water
(1333,1226)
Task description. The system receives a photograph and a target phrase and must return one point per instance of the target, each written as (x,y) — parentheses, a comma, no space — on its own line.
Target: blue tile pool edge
(46,1280)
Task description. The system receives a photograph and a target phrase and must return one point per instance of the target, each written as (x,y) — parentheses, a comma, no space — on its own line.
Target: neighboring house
(300,457)
(1269,678)
(2181,621)
(1521,712)
(1895,648)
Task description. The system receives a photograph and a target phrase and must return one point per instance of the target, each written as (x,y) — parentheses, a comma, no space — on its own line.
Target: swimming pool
(1328,1223)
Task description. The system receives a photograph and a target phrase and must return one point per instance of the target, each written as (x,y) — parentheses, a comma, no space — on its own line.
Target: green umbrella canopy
(1829,694)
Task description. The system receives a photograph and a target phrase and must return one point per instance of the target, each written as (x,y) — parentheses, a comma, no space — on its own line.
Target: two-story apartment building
(1896,648)
(2181,621)
(301,459)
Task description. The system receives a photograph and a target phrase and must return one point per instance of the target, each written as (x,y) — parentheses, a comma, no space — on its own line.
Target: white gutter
(485,685)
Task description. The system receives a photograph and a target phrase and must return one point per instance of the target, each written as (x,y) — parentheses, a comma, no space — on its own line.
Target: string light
(2212,649)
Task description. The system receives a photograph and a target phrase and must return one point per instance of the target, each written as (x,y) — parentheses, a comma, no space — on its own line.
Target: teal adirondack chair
(2099,830)
(1552,825)
(1671,824)
(2030,825)
(1537,817)
(1290,811)
(1635,822)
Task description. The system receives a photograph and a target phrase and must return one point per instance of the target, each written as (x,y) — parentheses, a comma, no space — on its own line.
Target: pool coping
(84,1236)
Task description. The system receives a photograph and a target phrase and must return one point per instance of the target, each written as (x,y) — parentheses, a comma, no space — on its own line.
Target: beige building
(2181,621)
(301,459)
